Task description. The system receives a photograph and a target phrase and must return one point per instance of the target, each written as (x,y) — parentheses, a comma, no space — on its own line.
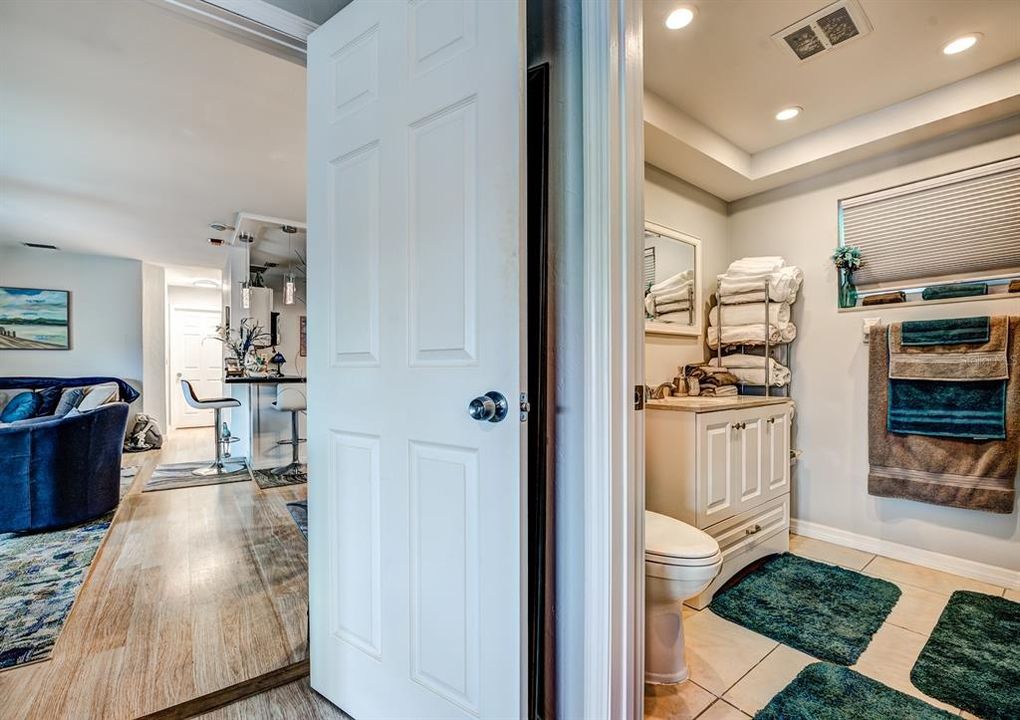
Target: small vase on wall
(847,290)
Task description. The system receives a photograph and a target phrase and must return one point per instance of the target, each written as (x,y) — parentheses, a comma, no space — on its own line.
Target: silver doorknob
(491,407)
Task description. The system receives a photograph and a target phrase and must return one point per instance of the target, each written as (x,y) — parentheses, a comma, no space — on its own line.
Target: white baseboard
(1002,577)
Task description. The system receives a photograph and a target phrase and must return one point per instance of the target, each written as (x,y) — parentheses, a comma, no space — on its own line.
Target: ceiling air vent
(831,27)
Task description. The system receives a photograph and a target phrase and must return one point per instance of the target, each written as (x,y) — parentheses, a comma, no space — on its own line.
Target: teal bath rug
(40,575)
(823,610)
(972,658)
(823,691)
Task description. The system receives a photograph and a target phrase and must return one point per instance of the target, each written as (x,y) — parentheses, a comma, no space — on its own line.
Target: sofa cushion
(48,399)
(69,400)
(99,395)
(21,406)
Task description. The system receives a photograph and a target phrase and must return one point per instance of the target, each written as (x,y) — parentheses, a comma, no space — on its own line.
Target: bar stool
(220,466)
(292,398)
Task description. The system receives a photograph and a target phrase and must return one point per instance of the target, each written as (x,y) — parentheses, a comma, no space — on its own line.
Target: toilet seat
(673,543)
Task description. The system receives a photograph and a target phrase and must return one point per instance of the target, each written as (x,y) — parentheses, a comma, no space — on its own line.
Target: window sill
(926,303)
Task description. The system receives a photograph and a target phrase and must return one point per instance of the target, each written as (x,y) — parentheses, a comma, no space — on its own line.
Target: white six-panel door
(415,227)
(195,356)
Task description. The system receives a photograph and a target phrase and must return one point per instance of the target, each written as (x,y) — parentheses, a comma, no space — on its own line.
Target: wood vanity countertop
(697,404)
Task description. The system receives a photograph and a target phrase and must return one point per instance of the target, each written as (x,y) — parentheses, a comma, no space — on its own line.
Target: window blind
(649,266)
(961,225)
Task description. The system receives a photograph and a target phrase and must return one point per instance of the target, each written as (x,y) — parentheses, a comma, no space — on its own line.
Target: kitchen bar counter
(263,380)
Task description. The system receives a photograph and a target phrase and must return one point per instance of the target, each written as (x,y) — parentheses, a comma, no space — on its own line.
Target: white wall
(155,364)
(830,360)
(106,313)
(679,205)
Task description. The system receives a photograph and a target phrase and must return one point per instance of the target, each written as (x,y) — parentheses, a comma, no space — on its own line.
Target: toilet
(680,562)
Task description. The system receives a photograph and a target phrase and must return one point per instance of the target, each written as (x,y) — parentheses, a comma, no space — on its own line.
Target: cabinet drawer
(746,530)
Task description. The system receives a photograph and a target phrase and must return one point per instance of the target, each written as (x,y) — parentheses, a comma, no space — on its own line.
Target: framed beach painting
(35,319)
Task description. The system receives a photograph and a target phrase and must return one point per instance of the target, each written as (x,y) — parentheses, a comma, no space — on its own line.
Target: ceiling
(716,85)
(126,130)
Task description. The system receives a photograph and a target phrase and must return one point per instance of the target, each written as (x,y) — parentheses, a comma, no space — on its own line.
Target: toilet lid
(668,540)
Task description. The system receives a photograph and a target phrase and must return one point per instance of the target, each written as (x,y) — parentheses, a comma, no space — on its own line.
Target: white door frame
(614,364)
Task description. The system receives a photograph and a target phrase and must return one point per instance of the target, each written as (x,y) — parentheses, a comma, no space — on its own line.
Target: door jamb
(614,358)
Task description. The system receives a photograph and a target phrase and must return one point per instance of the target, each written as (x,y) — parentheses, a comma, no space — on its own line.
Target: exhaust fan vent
(829,28)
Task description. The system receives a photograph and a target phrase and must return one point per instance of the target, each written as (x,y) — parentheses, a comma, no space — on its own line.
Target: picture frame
(35,318)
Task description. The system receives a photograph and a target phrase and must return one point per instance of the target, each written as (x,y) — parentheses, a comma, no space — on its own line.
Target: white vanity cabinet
(722,465)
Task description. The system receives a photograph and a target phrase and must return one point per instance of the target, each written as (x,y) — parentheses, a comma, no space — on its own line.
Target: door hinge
(525,407)
(639,397)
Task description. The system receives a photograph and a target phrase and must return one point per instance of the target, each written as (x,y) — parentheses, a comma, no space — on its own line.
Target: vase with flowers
(243,343)
(847,260)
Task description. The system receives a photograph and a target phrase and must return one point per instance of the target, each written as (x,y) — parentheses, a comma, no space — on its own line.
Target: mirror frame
(660,328)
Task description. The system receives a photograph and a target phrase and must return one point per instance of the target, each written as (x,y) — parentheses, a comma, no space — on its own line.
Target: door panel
(415,276)
(777,452)
(196,357)
(750,450)
(716,475)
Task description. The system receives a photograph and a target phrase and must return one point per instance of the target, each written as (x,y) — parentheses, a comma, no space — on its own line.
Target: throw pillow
(9,394)
(69,400)
(99,395)
(48,399)
(21,407)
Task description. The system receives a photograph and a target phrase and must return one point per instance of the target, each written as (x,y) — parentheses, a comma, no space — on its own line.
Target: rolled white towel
(753,334)
(784,285)
(680,292)
(672,282)
(755,265)
(750,313)
(751,369)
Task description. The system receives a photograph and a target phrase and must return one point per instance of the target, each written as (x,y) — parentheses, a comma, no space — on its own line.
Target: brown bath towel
(888,298)
(978,475)
(1014,286)
(985,361)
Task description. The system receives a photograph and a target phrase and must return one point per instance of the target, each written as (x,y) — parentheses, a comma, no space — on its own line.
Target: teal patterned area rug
(823,610)
(972,657)
(40,575)
(823,691)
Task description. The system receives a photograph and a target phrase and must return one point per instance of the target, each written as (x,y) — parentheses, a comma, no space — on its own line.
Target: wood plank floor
(193,590)
(294,701)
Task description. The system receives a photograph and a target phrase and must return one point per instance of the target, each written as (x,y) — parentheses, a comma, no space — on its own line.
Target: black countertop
(263,380)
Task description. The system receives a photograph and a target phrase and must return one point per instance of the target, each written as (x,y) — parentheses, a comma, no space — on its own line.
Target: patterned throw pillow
(69,401)
(48,399)
(21,407)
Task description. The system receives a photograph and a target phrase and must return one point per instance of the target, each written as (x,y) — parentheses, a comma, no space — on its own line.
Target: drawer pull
(739,426)
(753,530)
(771,421)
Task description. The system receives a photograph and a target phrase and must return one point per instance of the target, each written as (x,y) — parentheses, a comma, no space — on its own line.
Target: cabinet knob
(753,530)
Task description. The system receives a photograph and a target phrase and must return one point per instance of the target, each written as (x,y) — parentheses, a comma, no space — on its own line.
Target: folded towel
(750,369)
(755,265)
(750,313)
(783,287)
(941,292)
(721,391)
(683,292)
(672,282)
(950,362)
(709,376)
(663,308)
(753,334)
(954,331)
(979,475)
(888,298)
(1014,286)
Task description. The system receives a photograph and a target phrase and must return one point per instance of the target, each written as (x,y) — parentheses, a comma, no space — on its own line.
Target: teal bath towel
(941,292)
(974,410)
(956,331)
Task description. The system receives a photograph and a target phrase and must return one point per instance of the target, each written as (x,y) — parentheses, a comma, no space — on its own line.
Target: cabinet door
(749,480)
(776,455)
(716,496)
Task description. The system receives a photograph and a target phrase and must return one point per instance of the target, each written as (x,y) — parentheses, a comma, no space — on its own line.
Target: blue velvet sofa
(60,471)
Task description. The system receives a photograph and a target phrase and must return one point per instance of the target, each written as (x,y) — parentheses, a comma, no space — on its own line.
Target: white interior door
(195,357)
(415,227)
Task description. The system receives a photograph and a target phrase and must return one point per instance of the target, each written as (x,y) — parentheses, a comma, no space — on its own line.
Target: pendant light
(245,295)
(289,285)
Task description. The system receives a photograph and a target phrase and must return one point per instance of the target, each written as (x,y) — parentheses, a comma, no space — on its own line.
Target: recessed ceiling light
(680,18)
(964,42)
(788,113)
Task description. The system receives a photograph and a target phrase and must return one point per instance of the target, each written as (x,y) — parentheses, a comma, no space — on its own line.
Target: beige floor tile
(722,711)
(918,609)
(934,580)
(1013,595)
(768,677)
(890,657)
(720,652)
(829,553)
(683,701)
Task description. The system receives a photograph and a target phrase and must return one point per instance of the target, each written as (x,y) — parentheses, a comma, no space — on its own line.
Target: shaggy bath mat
(179,475)
(972,657)
(266,479)
(824,610)
(299,511)
(40,575)
(823,691)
